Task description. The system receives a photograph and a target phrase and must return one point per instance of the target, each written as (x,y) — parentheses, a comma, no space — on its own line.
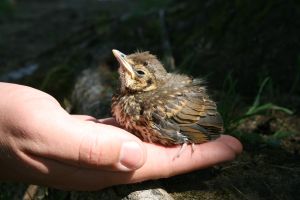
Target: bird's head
(139,72)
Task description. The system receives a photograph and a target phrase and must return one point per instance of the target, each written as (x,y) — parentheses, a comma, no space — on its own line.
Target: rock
(151,194)
(93,91)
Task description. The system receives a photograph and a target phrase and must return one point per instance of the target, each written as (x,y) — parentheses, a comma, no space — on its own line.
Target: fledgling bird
(161,107)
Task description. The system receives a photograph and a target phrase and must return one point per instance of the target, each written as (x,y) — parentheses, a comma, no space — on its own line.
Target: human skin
(40,143)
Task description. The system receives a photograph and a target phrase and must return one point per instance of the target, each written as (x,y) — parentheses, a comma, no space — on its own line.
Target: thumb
(110,147)
(83,142)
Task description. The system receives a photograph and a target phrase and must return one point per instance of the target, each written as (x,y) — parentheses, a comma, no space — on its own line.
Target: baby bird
(161,107)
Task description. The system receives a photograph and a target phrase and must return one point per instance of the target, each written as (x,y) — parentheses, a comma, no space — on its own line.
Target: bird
(160,107)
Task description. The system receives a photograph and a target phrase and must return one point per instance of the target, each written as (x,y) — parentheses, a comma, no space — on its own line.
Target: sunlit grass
(232,120)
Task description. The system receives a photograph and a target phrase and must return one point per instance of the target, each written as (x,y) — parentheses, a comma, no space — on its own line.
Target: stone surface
(92,92)
(151,194)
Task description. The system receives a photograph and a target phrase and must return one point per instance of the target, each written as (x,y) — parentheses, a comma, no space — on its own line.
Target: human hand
(41,143)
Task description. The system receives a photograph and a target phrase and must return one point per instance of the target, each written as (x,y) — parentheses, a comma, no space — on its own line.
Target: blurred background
(247,51)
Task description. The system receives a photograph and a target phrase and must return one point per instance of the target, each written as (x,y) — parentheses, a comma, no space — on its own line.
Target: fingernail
(131,155)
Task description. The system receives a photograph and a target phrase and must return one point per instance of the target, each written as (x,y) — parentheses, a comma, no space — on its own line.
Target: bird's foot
(183,147)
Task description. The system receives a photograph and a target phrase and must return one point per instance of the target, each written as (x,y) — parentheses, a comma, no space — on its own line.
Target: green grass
(229,100)
(232,120)
(260,108)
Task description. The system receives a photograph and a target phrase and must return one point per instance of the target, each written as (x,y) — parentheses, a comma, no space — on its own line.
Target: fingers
(109,121)
(94,149)
(110,151)
(160,163)
(232,142)
(204,155)
(59,175)
(85,118)
(80,141)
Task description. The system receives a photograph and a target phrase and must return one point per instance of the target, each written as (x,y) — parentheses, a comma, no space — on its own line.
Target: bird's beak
(124,62)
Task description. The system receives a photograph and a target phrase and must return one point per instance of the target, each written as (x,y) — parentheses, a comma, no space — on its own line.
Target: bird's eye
(140,72)
(123,55)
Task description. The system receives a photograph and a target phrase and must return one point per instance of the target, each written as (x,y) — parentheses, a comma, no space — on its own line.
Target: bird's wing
(187,115)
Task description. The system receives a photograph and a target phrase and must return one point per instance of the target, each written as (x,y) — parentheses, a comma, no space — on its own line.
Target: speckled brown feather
(176,111)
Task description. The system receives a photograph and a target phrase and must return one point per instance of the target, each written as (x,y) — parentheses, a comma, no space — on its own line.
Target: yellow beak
(123,62)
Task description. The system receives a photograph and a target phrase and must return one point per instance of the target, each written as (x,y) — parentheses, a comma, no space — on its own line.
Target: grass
(232,121)
(259,107)
(230,101)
